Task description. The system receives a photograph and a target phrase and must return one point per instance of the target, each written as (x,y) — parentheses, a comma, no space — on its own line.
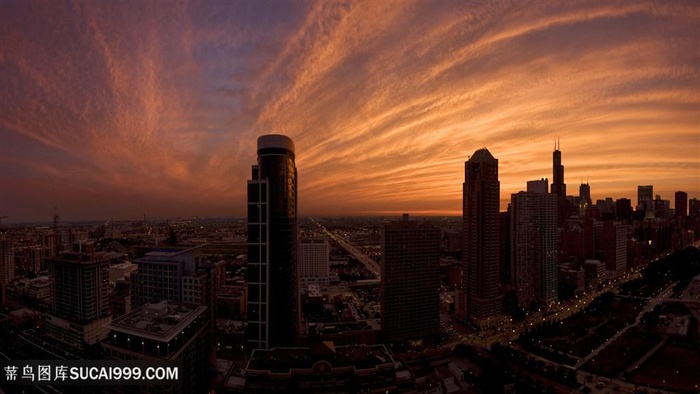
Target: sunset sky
(113,110)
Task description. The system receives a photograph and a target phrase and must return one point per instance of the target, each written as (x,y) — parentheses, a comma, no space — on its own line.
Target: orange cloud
(384,100)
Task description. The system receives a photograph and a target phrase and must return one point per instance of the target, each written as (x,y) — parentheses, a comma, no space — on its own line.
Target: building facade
(80,287)
(611,246)
(7,265)
(534,247)
(169,274)
(480,292)
(80,306)
(645,197)
(410,273)
(273,303)
(584,191)
(313,264)
(681,204)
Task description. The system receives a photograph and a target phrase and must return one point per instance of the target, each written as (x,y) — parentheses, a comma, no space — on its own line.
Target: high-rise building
(584,191)
(694,208)
(558,185)
(681,207)
(7,265)
(52,242)
(534,247)
(559,188)
(661,208)
(80,299)
(623,209)
(538,186)
(313,264)
(645,197)
(80,287)
(481,194)
(170,274)
(611,247)
(410,273)
(181,276)
(273,304)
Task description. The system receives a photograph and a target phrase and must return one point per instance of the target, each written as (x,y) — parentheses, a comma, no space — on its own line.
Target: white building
(312,264)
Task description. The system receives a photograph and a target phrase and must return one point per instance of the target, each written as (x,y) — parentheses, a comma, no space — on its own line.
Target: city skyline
(114,111)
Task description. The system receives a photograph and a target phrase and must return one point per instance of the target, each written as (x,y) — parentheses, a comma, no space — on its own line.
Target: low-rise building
(325,368)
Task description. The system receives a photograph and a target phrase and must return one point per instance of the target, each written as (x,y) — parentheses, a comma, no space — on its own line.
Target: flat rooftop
(172,252)
(159,322)
(283,360)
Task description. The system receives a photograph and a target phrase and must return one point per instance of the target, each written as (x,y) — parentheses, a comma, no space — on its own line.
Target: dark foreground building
(273,313)
(410,280)
(164,331)
(480,300)
(325,368)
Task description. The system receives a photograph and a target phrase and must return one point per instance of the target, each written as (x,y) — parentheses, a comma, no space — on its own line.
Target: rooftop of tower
(482,154)
(275,141)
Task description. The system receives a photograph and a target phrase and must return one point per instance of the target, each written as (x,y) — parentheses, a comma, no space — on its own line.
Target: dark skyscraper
(7,265)
(681,207)
(481,200)
(80,287)
(584,191)
(80,307)
(623,209)
(272,246)
(694,208)
(645,197)
(558,185)
(534,246)
(410,280)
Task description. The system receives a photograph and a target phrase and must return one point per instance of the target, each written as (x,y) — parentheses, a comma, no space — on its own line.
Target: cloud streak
(384,100)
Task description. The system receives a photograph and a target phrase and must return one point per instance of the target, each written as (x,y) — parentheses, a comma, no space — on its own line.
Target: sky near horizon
(113,110)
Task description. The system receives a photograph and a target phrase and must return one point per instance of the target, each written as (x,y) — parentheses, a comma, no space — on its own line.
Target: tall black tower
(480,292)
(272,246)
(558,185)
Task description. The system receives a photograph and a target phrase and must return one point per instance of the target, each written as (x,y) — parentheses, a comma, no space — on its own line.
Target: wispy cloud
(385,100)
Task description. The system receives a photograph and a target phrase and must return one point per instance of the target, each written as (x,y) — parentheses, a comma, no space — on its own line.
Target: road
(649,307)
(367,261)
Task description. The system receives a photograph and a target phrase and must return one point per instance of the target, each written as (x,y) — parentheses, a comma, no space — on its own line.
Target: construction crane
(55,219)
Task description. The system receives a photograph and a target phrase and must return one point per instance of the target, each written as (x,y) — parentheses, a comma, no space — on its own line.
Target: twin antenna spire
(557,145)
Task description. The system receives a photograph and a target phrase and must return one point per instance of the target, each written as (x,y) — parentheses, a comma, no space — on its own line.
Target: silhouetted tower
(681,204)
(272,246)
(645,197)
(584,191)
(558,185)
(481,200)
